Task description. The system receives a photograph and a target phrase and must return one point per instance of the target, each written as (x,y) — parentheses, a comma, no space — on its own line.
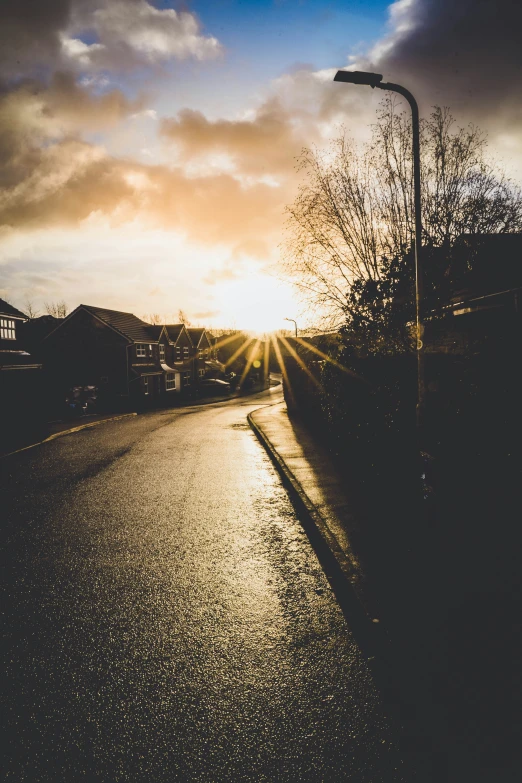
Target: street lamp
(375,80)
(294,323)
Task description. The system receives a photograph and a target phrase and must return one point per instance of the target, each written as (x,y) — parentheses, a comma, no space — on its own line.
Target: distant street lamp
(375,80)
(294,323)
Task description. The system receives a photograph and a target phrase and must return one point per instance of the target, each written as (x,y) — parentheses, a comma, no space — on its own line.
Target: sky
(148,148)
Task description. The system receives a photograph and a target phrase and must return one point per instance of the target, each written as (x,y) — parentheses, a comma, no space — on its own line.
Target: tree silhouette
(352,221)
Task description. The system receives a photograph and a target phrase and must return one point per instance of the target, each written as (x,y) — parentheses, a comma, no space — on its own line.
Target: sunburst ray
(311,347)
(299,361)
(250,361)
(239,351)
(281,362)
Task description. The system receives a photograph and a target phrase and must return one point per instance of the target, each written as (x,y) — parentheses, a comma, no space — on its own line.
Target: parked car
(81,400)
(214,386)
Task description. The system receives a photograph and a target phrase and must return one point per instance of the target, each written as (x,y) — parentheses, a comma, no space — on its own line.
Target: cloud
(90,35)
(53,177)
(207,314)
(231,178)
(34,116)
(134,32)
(225,272)
(465,54)
(30,33)
(64,183)
(267,144)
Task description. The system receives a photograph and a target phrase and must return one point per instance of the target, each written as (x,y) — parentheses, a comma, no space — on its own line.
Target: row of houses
(126,358)
(130,363)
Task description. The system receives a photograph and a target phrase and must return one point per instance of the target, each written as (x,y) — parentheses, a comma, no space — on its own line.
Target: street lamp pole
(375,80)
(295,324)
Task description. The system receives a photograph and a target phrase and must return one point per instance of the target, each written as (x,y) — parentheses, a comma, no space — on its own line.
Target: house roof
(174,331)
(126,323)
(8,309)
(155,330)
(196,333)
(486,263)
(38,328)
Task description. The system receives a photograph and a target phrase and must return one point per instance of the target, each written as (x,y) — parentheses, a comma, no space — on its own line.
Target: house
(482,300)
(132,363)
(180,357)
(12,353)
(21,394)
(205,361)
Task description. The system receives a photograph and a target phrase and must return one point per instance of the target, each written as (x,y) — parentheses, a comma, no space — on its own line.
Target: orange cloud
(266,145)
(53,177)
(64,183)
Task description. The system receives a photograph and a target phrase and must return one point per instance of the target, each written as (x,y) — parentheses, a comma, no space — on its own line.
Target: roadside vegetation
(440,550)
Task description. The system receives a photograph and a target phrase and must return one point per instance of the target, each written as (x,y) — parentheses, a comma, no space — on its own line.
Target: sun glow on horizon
(257,303)
(150,266)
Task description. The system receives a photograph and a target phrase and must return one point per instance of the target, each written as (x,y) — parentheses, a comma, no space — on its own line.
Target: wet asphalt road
(167,619)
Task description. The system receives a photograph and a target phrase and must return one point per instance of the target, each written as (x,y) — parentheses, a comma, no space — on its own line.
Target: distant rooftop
(485,263)
(196,332)
(8,309)
(126,323)
(174,331)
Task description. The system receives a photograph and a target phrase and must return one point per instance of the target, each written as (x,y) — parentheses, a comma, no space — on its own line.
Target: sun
(258,303)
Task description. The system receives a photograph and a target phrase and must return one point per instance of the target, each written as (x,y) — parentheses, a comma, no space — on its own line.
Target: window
(186,379)
(141,350)
(178,354)
(162,352)
(201,373)
(151,350)
(7,329)
(170,381)
(200,353)
(206,352)
(146,385)
(185,352)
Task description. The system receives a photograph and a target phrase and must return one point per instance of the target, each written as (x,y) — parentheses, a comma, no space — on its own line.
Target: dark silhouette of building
(21,396)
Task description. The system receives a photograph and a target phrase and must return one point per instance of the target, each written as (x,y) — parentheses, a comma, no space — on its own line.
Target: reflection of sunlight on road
(246,578)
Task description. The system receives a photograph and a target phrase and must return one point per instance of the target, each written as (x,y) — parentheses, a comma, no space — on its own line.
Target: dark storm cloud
(30,33)
(462,53)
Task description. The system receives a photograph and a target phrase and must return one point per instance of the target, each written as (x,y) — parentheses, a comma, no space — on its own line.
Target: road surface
(167,619)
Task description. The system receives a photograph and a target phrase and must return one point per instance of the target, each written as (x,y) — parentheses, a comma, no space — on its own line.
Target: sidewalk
(310,472)
(333,503)
(378,585)
(445,588)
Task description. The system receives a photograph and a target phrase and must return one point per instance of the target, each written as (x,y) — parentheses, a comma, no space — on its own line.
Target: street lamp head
(358,77)
(294,323)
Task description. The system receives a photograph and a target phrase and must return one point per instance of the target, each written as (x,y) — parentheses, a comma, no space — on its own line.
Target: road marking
(68,432)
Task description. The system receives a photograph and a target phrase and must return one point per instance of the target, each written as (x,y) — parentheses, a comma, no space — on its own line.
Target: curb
(68,432)
(338,567)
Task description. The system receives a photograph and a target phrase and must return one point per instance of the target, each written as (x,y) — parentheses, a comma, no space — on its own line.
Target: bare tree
(56,309)
(30,309)
(354,209)
(153,318)
(182,318)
